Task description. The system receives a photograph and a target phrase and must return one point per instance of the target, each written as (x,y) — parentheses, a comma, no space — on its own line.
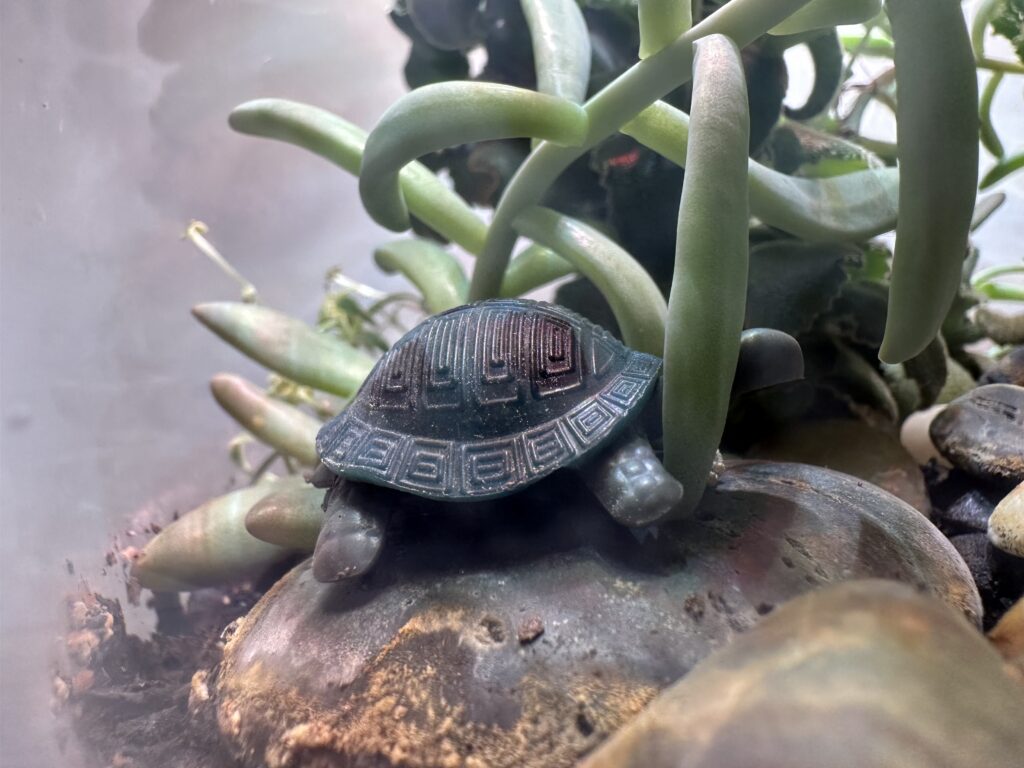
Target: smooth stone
(915,438)
(983,432)
(868,674)
(856,448)
(422,662)
(1008,370)
(1006,525)
(1008,638)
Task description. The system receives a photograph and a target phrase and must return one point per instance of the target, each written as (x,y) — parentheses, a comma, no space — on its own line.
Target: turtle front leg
(353,532)
(631,483)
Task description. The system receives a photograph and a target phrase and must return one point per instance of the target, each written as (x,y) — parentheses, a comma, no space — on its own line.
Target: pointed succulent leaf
(290,518)
(283,427)
(288,346)
(209,546)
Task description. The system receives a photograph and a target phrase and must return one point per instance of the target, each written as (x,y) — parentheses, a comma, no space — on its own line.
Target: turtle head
(631,483)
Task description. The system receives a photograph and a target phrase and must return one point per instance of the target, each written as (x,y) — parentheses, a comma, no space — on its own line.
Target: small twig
(195,233)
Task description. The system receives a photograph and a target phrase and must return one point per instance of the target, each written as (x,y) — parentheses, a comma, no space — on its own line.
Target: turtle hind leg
(353,532)
(631,483)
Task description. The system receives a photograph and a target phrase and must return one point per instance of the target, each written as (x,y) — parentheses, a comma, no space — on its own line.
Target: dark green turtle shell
(484,399)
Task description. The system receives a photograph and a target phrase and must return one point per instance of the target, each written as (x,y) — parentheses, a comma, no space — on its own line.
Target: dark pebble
(968,514)
(983,432)
(869,674)
(998,576)
(1009,369)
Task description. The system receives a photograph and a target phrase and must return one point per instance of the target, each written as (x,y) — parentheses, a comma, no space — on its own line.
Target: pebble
(998,576)
(850,446)
(968,514)
(1008,370)
(915,438)
(982,433)
(1008,638)
(868,673)
(531,640)
(1006,525)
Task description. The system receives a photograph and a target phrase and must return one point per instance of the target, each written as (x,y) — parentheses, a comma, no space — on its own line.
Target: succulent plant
(590,120)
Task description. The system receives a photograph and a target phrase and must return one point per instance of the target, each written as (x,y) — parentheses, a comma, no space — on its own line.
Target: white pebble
(914,436)
(1006,525)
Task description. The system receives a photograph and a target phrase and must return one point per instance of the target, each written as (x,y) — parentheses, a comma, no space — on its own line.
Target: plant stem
(428,266)
(196,234)
(632,294)
(561,47)
(621,100)
(989,137)
(987,275)
(534,267)
(335,139)
(820,14)
(448,114)
(853,207)
(1002,169)
(661,23)
(1002,291)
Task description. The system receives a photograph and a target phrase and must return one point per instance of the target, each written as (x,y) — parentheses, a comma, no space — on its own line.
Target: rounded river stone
(867,674)
(526,632)
(856,448)
(983,432)
(1009,369)
(1006,524)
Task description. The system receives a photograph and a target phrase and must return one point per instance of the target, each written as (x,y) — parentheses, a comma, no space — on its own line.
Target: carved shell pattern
(479,401)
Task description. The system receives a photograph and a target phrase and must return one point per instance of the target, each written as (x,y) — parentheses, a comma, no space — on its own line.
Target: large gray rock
(524,633)
(866,674)
(855,448)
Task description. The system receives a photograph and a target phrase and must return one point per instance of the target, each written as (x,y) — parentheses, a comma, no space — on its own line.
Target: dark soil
(123,702)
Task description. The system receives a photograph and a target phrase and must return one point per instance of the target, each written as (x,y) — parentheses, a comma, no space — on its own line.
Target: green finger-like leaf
(609,109)
(287,346)
(447,114)
(989,137)
(661,22)
(938,169)
(342,143)
(561,47)
(290,518)
(1002,169)
(828,13)
(709,284)
(281,426)
(534,267)
(872,46)
(853,207)
(634,297)
(428,266)
(209,546)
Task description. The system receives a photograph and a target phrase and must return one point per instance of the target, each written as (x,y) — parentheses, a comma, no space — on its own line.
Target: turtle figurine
(479,402)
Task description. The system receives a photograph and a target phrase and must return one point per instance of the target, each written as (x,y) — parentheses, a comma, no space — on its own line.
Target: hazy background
(114,136)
